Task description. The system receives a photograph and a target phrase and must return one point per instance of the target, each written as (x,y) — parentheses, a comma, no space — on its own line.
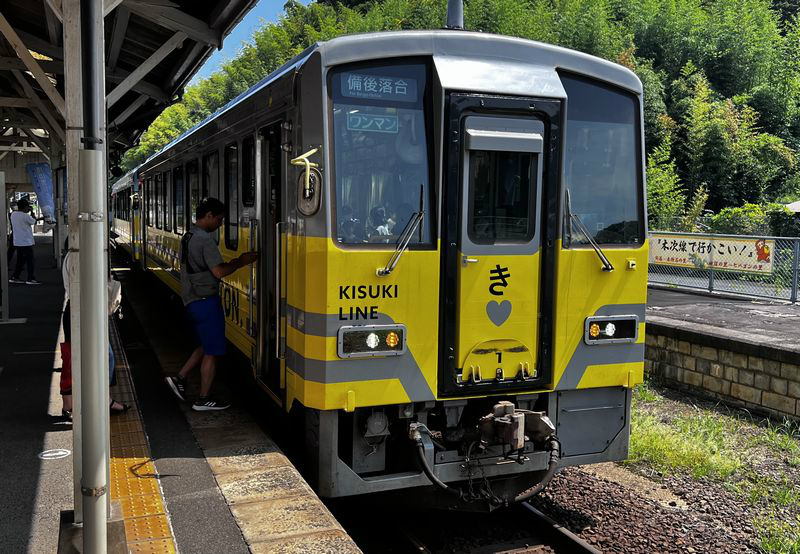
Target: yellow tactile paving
(134,482)
(142,505)
(147,528)
(158,546)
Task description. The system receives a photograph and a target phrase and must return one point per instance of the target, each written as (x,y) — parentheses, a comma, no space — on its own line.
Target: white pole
(93,279)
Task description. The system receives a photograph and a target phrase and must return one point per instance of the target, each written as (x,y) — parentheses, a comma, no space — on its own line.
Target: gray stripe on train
(602,354)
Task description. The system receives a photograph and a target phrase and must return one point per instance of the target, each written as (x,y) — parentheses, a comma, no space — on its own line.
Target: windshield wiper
(402,243)
(582,228)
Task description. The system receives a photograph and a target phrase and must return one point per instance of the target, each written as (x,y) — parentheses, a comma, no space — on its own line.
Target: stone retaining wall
(737,370)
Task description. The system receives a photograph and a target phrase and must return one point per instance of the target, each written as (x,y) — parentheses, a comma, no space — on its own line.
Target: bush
(750,219)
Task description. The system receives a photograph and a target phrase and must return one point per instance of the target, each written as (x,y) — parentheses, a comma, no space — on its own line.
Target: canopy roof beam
(36,70)
(175,20)
(13,102)
(48,66)
(52,125)
(145,67)
(121,18)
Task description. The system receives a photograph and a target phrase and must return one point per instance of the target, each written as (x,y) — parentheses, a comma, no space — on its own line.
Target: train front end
(466,268)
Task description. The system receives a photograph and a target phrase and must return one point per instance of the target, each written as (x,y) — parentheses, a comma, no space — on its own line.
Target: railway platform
(181,481)
(740,351)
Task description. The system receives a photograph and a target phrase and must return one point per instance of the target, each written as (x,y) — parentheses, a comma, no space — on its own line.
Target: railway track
(521,529)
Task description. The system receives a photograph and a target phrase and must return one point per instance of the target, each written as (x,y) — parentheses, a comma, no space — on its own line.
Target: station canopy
(153,48)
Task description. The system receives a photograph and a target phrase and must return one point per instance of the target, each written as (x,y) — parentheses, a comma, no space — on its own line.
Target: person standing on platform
(22,229)
(202,269)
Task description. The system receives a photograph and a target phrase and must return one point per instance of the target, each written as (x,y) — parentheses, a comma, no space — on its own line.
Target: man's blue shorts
(209,324)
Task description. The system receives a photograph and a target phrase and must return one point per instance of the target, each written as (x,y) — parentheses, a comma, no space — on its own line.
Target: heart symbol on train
(498,312)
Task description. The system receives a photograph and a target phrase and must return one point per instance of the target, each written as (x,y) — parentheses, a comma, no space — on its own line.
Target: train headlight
(371,340)
(611,329)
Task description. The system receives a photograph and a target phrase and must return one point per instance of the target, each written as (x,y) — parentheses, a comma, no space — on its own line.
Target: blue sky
(263,12)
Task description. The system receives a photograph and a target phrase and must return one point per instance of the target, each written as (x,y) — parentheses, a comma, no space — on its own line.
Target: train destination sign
(749,254)
(378,87)
(372,123)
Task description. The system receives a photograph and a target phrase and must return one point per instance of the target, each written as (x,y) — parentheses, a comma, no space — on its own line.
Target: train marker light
(611,329)
(372,340)
(356,341)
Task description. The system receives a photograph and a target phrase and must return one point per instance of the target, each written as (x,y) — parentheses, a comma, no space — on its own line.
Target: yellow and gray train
(452,281)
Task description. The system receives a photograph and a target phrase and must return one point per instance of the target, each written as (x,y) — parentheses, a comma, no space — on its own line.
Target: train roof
(508,53)
(123,182)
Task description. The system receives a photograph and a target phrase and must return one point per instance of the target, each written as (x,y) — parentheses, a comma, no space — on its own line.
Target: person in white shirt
(22,230)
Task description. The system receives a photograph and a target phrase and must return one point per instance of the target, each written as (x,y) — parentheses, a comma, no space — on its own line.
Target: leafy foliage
(721,81)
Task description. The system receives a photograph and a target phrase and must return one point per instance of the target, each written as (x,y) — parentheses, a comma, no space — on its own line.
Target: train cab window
(382,152)
(168,201)
(602,163)
(232,196)
(248,171)
(501,203)
(158,191)
(179,199)
(193,183)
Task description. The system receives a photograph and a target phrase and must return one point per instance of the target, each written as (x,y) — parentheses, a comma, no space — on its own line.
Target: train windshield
(602,168)
(382,164)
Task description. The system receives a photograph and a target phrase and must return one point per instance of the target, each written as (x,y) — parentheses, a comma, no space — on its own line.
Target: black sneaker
(178,387)
(16,280)
(207,404)
(32,282)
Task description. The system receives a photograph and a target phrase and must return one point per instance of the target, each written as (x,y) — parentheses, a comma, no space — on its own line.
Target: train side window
(211,175)
(232,196)
(179,199)
(159,187)
(168,201)
(149,202)
(193,183)
(602,162)
(248,171)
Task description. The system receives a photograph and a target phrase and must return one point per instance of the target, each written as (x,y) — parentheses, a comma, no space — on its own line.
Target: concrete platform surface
(762,323)
(251,488)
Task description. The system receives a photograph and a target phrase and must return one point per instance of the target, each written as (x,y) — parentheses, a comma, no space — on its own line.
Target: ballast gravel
(616,519)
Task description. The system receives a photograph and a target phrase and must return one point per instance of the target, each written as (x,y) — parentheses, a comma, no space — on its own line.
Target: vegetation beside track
(677,439)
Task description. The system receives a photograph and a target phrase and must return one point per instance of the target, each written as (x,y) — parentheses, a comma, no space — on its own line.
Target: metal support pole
(795,264)
(93,278)
(711,272)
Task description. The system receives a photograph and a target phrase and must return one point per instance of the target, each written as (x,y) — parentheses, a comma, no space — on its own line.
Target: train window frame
(248,172)
(637,241)
(232,204)
(179,200)
(168,202)
(149,202)
(427,104)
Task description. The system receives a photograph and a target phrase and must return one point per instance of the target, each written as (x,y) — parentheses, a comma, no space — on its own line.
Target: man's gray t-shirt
(203,254)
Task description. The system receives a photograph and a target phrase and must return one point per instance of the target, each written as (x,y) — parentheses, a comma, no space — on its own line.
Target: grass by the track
(755,459)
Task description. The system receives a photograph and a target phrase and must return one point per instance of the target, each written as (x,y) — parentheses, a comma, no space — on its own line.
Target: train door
(269,270)
(493,258)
